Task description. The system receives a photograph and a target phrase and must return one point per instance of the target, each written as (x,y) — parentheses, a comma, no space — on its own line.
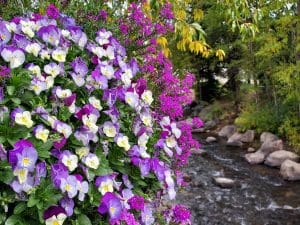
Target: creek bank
(259,195)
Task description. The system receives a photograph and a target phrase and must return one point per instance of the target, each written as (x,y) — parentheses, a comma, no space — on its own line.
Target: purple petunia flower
(52,11)
(181,214)
(136,202)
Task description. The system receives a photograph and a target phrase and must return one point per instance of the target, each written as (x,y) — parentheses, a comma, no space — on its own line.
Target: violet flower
(111,204)
(55,215)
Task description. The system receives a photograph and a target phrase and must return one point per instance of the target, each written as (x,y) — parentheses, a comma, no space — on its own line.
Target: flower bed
(80,142)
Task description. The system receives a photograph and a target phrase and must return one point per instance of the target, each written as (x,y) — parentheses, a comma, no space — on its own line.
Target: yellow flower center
(112,210)
(56,223)
(68,187)
(26,161)
(3,37)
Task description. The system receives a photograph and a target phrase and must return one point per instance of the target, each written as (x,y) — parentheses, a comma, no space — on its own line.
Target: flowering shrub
(80,143)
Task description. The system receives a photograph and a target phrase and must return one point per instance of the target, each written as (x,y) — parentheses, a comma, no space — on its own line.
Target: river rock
(234,143)
(255,158)
(271,146)
(224,182)
(277,158)
(227,131)
(250,150)
(210,124)
(198,151)
(199,130)
(248,136)
(210,139)
(290,170)
(267,136)
(235,140)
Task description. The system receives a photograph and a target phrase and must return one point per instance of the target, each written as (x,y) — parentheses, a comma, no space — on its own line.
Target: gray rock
(268,137)
(224,182)
(255,158)
(199,130)
(248,136)
(210,124)
(199,151)
(250,150)
(290,170)
(277,158)
(234,143)
(235,137)
(227,131)
(210,139)
(271,146)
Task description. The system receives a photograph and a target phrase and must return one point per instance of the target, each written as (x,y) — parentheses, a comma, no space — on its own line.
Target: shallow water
(261,196)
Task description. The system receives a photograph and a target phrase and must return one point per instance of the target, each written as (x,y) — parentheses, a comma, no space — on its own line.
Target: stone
(234,143)
(268,137)
(199,151)
(248,136)
(250,149)
(276,158)
(290,170)
(255,158)
(210,124)
(271,146)
(210,139)
(224,182)
(199,130)
(227,131)
(235,137)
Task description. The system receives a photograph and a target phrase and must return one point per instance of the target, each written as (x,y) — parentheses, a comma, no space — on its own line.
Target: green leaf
(43,149)
(20,208)
(12,220)
(83,220)
(6,172)
(17,101)
(10,90)
(32,201)
(64,113)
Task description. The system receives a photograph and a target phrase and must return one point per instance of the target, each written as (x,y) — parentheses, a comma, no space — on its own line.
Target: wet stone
(224,182)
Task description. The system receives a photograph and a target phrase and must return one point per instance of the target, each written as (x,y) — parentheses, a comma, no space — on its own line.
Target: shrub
(78,134)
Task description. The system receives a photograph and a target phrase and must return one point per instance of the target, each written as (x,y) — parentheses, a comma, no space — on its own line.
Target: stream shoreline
(259,197)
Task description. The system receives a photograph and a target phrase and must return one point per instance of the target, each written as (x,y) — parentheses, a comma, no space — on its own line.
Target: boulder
(224,182)
(255,158)
(227,131)
(268,137)
(248,136)
(210,139)
(277,158)
(271,146)
(290,170)
(235,137)
(235,140)
(250,149)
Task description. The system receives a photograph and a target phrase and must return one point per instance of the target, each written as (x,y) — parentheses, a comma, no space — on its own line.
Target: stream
(260,196)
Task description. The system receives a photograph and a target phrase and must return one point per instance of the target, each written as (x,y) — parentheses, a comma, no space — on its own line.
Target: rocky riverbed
(258,195)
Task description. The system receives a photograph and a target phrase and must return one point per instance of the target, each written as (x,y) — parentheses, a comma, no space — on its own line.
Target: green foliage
(290,128)
(259,117)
